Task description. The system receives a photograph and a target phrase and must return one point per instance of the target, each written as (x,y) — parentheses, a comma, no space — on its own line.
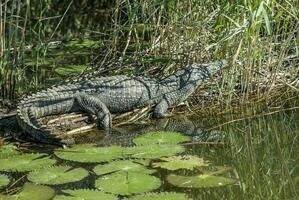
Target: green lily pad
(153,151)
(90,153)
(57,175)
(25,162)
(126,183)
(200,181)
(161,137)
(31,191)
(7,151)
(4,180)
(180,162)
(70,70)
(161,196)
(121,166)
(85,194)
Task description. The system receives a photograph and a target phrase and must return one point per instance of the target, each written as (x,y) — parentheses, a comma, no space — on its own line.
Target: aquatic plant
(121,166)
(126,183)
(161,137)
(153,151)
(199,181)
(70,70)
(4,180)
(26,162)
(31,191)
(8,150)
(57,175)
(180,162)
(85,194)
(89,153)
(160,196)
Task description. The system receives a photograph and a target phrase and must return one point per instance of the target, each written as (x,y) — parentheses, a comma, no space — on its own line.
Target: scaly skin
(104,95)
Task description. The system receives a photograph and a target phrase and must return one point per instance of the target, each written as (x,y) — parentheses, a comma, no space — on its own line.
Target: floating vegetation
(161,137)
(199,181)
(57,175)
(7,151)
(25,162)
(180,162)
(126,183)
(4,180)
(153,151)
(121,166)
(31,191)
(161,196)
(85,194)
(88,153)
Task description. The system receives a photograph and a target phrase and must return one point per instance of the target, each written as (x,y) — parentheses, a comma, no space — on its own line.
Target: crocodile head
(196,73)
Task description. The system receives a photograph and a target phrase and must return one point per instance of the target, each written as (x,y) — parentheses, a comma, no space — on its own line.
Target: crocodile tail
(28,112)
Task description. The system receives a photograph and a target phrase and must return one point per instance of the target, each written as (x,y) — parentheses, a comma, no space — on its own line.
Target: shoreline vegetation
(153,38)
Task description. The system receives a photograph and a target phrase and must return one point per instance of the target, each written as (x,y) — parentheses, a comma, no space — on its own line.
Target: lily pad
(85,194)
(25,162)
(31,191)
(161,137)
(4,180)
(90,153)
(7,151)
(121,166)
(161,196)
(199,181)
(126,183)
(180,162)
(153,151)
(57,175)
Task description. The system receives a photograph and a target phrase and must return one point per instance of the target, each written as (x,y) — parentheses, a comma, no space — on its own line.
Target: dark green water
(261,154)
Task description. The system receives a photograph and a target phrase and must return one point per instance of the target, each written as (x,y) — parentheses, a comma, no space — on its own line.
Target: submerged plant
(126,183)
(121,166)
(180,162)
(153,151)
(4,180)
(85,194)
(161,137)
(89,153)
(57,175)
(25,162)
(31,191)
(161,196)
(199,181)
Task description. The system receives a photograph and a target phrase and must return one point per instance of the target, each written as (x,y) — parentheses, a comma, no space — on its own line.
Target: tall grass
(259,38)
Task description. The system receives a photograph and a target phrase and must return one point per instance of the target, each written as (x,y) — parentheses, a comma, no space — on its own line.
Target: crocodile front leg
(95,106)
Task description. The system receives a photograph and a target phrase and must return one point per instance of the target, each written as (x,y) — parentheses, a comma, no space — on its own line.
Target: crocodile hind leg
(161,109)
(95,106)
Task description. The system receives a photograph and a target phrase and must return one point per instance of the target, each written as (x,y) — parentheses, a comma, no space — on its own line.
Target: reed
(259,38)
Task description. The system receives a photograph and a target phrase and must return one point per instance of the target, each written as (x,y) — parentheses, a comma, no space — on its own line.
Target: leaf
(32,191)
(8,151)
(57,175)
(85,194)
(180,162)
(126,183)
(153,151)
(90,153)
(121,166)
(199,181)
(4,180)
(25,162)
(161,137)
(161,196)
(70,70)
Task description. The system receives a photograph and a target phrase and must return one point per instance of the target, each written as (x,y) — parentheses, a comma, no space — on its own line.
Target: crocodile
(102,96)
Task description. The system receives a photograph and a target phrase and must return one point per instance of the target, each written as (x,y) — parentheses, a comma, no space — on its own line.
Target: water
(261,154)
